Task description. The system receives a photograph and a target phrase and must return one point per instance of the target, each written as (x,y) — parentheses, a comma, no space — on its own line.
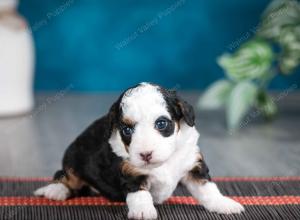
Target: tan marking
(190,178)
(145,186)
(126,147)
(178,125)
(181,105)
(128,121)
(197,166)
(128,169)
(70,180)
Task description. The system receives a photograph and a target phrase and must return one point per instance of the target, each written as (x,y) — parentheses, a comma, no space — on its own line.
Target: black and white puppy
(138,153)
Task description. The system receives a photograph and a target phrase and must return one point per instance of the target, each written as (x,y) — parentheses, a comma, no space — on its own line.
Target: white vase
(16,62)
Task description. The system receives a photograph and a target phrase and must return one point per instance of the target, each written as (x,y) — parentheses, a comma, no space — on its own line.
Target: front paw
(140,205)
(142,212)
(224,205)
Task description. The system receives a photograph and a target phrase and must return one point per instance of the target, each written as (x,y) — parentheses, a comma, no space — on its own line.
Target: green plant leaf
(216,95)
(241,99)
(290,45)
(279,14)
(281,24)
(251,61)
(266,105)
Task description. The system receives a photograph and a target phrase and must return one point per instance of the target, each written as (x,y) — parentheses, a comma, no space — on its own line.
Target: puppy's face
(148,124)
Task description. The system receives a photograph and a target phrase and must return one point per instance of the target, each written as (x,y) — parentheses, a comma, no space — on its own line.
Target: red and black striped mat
(264,198)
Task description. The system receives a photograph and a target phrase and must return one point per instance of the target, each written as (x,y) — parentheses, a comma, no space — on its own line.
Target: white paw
(224,205)
(54,191)
(143,212)
(140,205)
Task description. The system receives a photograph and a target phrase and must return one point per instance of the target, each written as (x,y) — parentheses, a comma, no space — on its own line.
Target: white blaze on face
(144,105)
(143,101)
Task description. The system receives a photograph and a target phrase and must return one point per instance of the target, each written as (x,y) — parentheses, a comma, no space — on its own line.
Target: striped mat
(263,198)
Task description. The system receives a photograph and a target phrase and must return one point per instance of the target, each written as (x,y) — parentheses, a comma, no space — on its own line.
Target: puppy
(138,153)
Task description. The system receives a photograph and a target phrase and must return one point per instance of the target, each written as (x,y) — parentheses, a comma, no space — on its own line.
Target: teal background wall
(110,45)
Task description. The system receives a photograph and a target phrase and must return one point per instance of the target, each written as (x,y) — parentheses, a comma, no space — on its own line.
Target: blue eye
(161,124)
(127,131)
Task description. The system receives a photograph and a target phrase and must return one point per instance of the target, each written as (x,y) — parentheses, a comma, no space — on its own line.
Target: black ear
(187,111)
(114,113)
(179,108)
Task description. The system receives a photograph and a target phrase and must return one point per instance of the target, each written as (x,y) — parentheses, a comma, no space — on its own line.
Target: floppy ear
(187,111)
(114,113)
(180,108)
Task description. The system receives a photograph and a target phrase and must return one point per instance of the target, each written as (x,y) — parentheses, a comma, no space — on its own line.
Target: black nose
(146,156)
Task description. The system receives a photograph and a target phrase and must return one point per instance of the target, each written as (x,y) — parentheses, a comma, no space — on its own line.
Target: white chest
(164,179)
(162,185)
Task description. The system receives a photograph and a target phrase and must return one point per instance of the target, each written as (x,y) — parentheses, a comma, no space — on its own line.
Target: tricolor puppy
(138,153)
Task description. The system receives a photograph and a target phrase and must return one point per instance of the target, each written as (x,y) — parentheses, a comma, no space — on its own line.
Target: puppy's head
(147,121)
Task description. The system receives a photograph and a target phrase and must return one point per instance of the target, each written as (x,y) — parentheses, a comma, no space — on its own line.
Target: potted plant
(274,49)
